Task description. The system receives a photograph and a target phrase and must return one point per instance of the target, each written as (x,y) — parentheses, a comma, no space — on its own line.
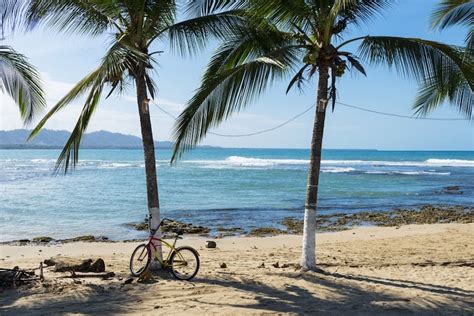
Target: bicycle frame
(151,243)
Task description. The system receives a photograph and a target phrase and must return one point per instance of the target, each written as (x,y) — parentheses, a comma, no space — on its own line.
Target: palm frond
(358,11)
(438,89)
(11,15)
(298,78)
(22,82)
(448,69)
(414,57)
(199,8)
(356,64)
(283,13)
(453,12)
(91,17)
(71,148)
(159,15)
(192,35)
(112,71)
(235,76)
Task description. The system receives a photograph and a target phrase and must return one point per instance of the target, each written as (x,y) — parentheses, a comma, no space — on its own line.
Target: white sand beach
(424,269)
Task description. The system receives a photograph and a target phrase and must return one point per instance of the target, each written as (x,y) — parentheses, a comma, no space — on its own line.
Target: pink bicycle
(182,262)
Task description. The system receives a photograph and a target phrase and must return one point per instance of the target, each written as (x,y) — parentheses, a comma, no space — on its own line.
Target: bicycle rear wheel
(184,263)
(140,260)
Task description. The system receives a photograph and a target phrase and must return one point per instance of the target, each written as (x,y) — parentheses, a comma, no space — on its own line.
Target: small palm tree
(300,40)
(18,78)
(133,27)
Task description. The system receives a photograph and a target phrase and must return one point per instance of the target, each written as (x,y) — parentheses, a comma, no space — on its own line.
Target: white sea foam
(238,161)
(337,170)
(258,162)
(427,163)
(409,173)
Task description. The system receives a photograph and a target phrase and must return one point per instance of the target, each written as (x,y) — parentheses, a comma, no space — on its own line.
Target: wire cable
(248,134)
(399,115)
(307,110)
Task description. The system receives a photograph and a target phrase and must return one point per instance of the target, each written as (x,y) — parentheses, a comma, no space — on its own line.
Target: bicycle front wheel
(140,260)
(184,263)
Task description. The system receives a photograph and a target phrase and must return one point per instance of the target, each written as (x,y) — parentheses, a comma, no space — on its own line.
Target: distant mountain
(56,139)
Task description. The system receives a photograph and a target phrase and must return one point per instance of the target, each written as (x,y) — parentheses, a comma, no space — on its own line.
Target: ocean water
(216,187)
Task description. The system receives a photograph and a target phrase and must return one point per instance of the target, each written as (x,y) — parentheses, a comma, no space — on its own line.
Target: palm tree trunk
(308,258)
(149,151)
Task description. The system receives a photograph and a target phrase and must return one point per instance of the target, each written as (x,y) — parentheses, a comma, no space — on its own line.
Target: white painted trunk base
(154,213)
(308,256)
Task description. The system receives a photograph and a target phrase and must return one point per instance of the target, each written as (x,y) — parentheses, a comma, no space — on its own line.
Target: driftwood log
(64,264)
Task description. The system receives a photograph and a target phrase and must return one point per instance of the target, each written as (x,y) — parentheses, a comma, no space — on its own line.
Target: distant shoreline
(206,147)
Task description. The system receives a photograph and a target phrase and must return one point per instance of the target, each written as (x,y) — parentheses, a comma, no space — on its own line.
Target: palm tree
(19,79)
(133,27)
(300,40)
(450,85)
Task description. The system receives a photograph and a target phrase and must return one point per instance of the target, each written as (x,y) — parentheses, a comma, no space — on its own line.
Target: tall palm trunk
(149,151)
(308,258)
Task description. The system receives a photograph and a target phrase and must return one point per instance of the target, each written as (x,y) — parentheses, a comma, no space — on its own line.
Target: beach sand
(422,269)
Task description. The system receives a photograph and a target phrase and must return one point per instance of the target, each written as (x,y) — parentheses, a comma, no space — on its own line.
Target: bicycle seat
(179,232)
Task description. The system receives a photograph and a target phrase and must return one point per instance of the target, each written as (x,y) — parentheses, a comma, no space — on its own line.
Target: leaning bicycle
(182,262)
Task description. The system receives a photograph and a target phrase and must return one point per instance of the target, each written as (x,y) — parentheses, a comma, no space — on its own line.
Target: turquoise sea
(216,187)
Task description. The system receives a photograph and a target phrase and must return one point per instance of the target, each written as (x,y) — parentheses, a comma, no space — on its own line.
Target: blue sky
(65,59)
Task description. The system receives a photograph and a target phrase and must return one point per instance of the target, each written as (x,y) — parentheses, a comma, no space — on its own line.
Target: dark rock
(452,190)
(223,265)
(42,239)
(293,226)
(86,238)
(139,226)
(266,231)
(276,264)
(128,281)
(230,229)
(171,227)
(98,266)
(211,244)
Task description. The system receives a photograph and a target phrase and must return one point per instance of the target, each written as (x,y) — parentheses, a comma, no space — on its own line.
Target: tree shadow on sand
(302,293)
(348,297)
(86,298)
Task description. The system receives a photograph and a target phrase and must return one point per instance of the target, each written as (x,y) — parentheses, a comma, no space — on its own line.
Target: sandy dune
(426,269)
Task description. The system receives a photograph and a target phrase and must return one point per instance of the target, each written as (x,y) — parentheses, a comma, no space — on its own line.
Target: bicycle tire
(176,274)
(139,251)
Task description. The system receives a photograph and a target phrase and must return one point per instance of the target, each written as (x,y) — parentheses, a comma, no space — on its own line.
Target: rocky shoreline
(427,214)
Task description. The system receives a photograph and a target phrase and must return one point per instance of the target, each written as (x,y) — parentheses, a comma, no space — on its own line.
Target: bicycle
(183,262)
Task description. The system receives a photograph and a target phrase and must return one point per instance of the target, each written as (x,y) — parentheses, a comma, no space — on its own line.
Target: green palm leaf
(237,74)
(89,17)
(190,36)
(21,81)
(112,71)
(453,12)
(445,72)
